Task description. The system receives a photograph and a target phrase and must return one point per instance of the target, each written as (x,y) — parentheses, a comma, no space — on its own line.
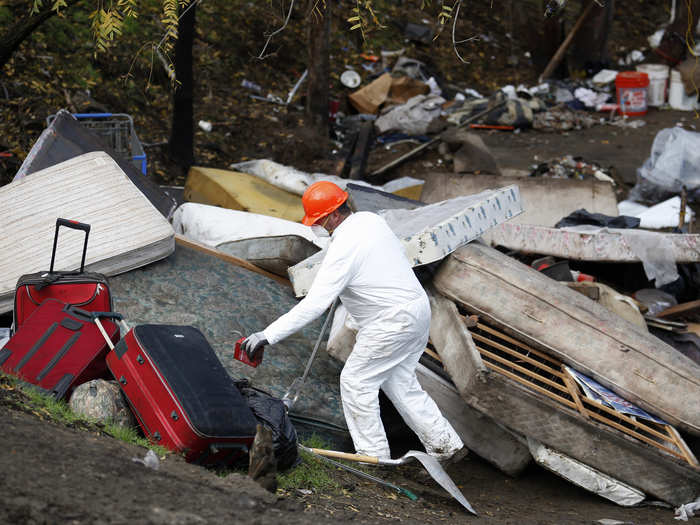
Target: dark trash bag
(271,412)
(583,216)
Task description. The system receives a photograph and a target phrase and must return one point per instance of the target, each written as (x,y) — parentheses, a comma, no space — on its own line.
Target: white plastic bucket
(658,77)
(677,98)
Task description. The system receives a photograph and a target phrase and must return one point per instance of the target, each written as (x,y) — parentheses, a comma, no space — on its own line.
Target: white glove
(253,343)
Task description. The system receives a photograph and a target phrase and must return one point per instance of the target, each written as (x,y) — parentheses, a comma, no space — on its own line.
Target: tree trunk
(542,38)
(17,33)
(317,96)
(590,47)
(181,144)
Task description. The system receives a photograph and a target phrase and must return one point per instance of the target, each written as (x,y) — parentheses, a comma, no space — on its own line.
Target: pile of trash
(536,340)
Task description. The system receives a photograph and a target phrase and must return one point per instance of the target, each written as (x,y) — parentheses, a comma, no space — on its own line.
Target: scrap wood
(183,241)
(680,309)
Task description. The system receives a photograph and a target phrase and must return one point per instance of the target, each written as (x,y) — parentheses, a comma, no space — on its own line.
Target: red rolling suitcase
(57,348)
(181,395)
(86,290)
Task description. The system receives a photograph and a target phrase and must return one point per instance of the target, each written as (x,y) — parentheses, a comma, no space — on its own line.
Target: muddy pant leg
(360,380)
(418,409)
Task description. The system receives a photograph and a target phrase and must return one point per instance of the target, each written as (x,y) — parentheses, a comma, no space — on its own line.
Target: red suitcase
(57,348)
(86,290)
(181,395)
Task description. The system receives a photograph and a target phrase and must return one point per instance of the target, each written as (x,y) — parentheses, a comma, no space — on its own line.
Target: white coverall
(367,267)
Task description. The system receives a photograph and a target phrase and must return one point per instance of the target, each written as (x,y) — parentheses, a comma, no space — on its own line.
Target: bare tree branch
(262,54)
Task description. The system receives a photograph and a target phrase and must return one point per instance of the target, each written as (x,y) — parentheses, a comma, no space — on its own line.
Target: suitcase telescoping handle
(111,315)
(76,226)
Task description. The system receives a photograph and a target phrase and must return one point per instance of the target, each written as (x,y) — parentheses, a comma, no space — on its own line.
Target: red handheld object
(242,356)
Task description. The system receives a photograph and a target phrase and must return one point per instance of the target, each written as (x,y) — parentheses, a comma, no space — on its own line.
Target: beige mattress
(127,231)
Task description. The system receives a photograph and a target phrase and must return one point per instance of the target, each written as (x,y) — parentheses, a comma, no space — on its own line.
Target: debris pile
(543,346)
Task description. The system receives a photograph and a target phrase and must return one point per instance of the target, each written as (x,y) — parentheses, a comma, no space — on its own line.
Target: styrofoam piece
(665,214)
(677,97)
(592,243)
(432,232)
(630,208)
(584,476)
(296,181)
(213,226)
(127,231)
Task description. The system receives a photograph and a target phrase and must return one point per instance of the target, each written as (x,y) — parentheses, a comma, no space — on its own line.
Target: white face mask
(319,231)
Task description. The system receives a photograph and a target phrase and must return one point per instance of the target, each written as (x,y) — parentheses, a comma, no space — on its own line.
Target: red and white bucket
(631,87)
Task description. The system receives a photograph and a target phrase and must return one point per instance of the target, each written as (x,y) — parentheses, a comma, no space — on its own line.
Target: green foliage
(364,17)
(131,435)
(107,21)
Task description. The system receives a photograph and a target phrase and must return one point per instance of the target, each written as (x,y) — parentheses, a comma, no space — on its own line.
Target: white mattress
(214,226)
(127,231)
(432,232)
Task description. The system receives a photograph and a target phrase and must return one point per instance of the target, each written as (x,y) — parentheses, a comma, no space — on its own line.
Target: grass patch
(313,473)
(58,411)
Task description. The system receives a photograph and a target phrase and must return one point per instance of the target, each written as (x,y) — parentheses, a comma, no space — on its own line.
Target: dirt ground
(53,474)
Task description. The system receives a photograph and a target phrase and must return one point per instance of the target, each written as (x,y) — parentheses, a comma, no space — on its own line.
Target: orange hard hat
(320,199)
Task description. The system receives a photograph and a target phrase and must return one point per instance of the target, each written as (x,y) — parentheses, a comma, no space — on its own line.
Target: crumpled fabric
(583,216)
(413,117)
(688,510)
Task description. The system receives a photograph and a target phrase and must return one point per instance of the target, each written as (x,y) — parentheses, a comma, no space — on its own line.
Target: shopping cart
(117,129)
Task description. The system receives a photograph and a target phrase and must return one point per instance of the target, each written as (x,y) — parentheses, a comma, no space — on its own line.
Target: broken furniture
(505,370)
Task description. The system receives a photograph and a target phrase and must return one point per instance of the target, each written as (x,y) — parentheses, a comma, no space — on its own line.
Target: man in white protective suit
(367,268)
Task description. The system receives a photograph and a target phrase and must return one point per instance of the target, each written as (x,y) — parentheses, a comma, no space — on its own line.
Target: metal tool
(292,394)
(410,495)
(429,462)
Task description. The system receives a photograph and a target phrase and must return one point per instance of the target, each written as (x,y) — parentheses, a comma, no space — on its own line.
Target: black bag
(272,412)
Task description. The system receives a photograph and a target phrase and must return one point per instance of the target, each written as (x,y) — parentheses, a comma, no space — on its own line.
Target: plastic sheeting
(296,181)
(665,214)
(674,163)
